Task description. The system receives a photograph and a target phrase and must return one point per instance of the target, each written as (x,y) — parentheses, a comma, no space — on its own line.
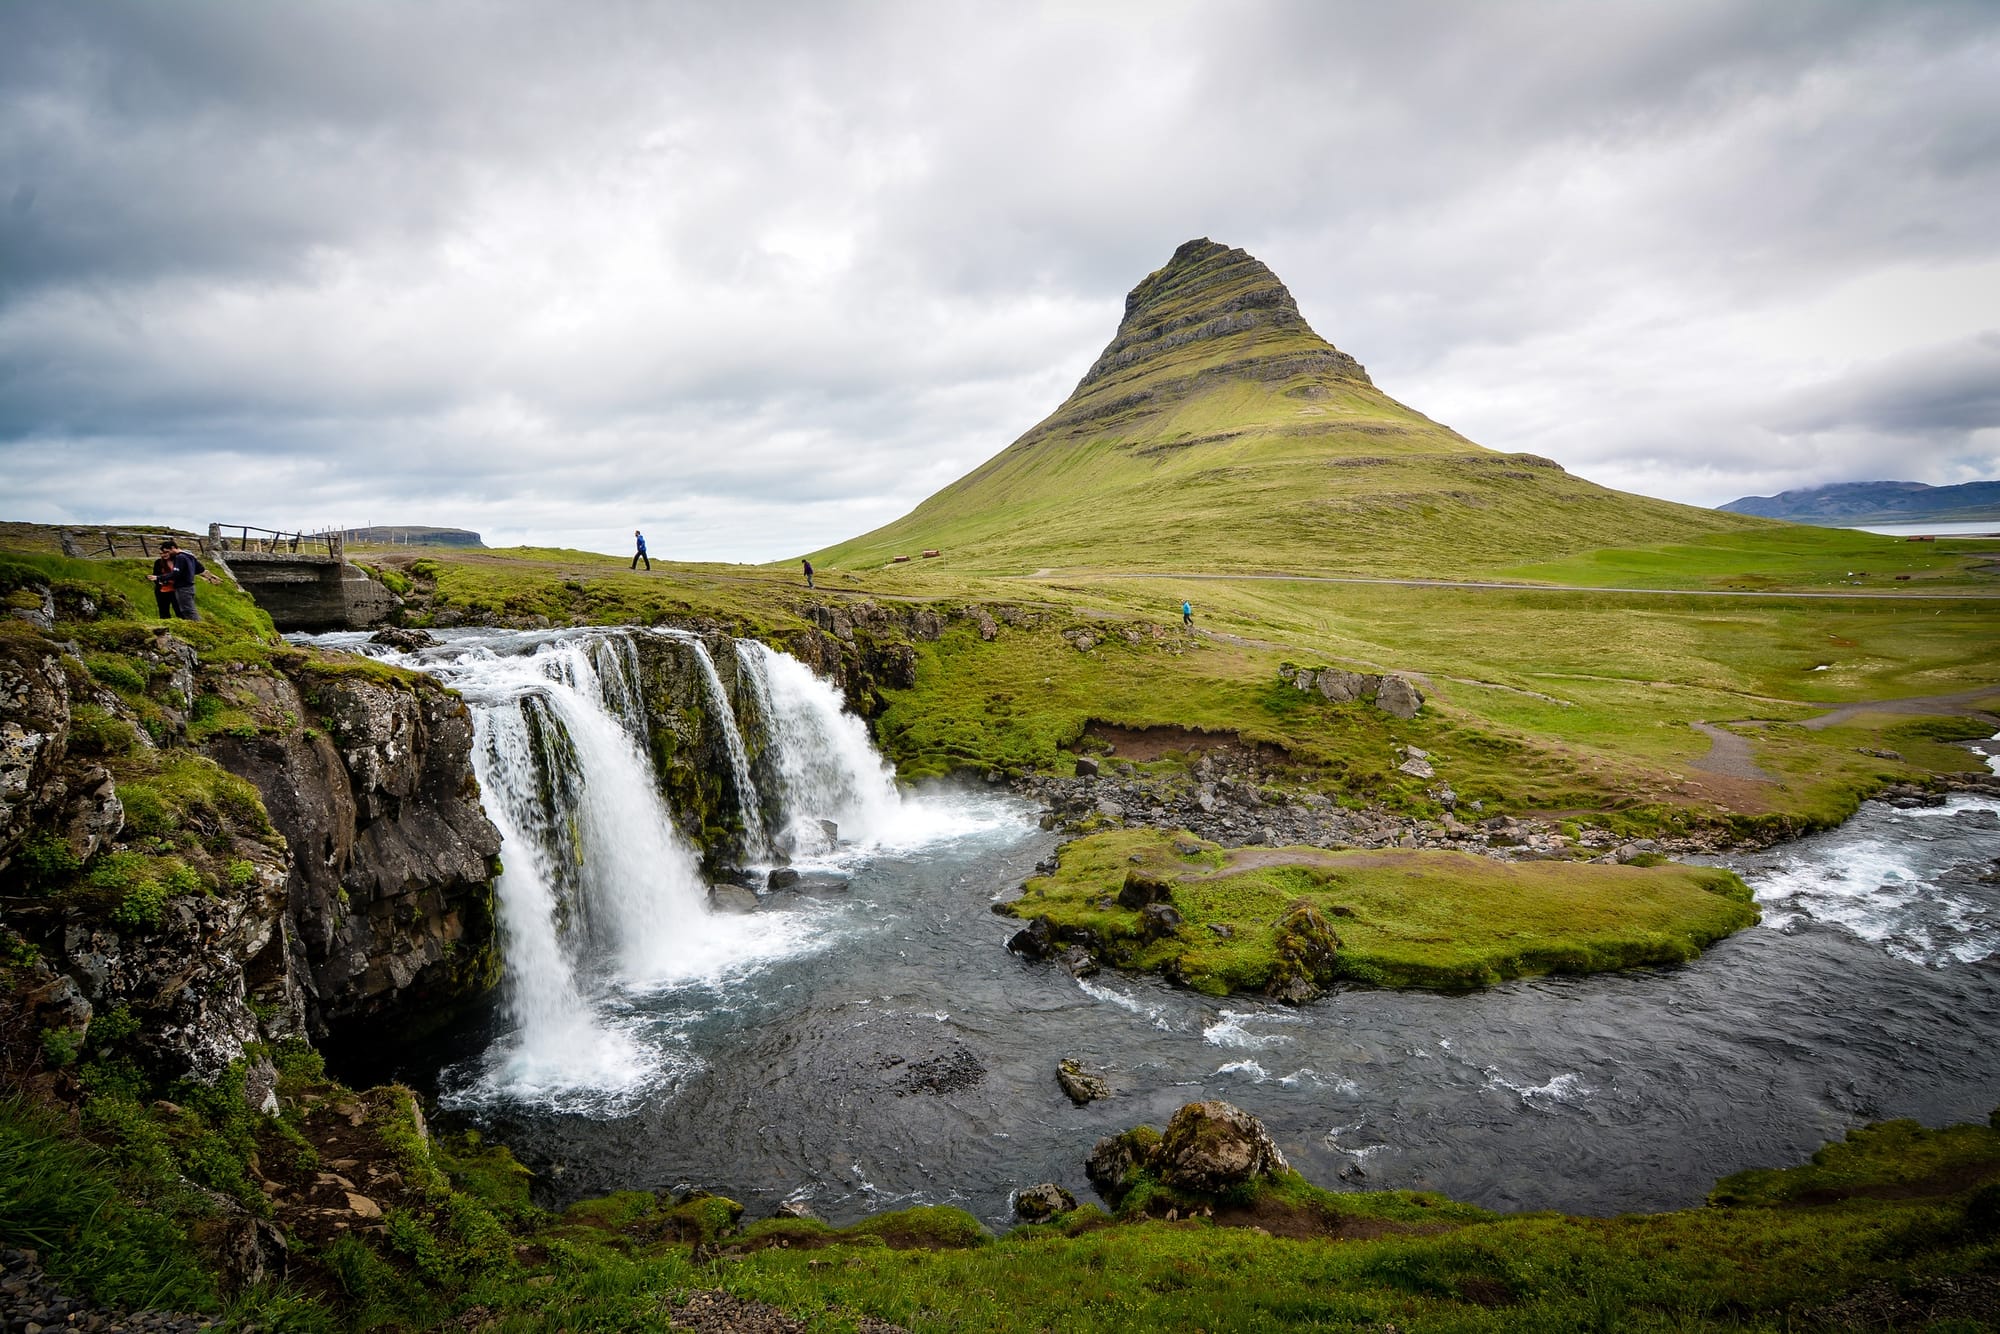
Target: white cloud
(758,278)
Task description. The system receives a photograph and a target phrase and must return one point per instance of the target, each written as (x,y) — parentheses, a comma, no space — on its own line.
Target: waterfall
(599,895)
(601,900)
(748,809)
(818,759)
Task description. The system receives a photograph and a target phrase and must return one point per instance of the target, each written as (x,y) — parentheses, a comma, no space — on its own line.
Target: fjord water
(876,1045)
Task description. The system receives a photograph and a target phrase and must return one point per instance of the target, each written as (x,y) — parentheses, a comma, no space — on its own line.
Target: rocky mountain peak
(1209,292)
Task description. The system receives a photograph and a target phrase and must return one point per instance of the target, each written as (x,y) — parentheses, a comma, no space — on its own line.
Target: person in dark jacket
(640,554)
(163,586)
(809,572)
(184,567)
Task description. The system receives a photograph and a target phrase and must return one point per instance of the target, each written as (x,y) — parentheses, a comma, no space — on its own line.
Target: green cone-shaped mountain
(1219,432)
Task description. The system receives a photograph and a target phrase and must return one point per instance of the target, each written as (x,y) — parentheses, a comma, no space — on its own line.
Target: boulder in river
(1081,1086)
(1038,1204)
(1033,940)
(1212,1147)
(782,877)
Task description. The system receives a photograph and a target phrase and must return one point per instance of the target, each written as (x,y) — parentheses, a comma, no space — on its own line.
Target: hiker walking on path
(1187,615)
(175,584)
(640,554)
(809,572)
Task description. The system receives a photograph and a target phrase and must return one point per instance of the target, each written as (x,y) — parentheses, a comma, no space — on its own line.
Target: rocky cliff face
(389,892)
(212,854)
(1212,293)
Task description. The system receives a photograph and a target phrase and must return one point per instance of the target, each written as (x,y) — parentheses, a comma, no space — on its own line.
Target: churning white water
(819,764)
(602,901)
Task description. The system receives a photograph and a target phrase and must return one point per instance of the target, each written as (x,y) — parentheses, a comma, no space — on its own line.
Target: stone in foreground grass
(1287,922)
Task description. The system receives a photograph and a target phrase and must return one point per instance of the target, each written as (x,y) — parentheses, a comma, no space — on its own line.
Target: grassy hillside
(1219,432)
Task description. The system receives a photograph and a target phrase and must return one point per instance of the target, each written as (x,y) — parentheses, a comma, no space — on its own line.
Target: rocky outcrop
(1079,1085)
(390,891)
(1211,1147)
(1038,1204)
(1211,293)
(1395,695)
(690,749)
(346,882)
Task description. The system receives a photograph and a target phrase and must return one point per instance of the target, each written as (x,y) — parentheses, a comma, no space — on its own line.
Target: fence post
(336,544)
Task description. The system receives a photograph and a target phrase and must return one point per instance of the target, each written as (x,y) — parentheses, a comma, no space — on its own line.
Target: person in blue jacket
(1187,615)
(640,554)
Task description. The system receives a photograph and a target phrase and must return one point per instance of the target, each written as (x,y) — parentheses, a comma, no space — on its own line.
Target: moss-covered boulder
(1211,1147)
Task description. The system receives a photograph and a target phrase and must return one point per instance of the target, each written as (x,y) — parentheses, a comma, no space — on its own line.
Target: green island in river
(1445,717)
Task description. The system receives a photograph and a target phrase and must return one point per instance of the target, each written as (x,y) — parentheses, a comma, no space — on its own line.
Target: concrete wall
(310,592)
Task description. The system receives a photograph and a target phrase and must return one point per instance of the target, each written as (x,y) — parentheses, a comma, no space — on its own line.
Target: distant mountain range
(1844,504)
(415,535)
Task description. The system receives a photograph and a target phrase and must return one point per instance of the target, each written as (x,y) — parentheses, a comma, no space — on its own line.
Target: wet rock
(1080,1085)
(1032,941)
(1212,1147)
(403,640)
(951,1070)
(1116,1160)
(1079,961)
(782,877)
(794,1209)
(732,898)
(1037,1204)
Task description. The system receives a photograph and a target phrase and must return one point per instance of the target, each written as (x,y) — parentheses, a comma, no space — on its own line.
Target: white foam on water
(1228,1030)
(1883,885)
(1567,1087)
(1112,996)
(600,897)
(1244,1067)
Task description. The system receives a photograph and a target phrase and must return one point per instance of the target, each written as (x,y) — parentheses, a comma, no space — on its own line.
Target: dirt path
(1728,755)
(1500,586)
(1961,703)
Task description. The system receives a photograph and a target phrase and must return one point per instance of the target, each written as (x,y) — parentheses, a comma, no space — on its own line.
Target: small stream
(872,1044)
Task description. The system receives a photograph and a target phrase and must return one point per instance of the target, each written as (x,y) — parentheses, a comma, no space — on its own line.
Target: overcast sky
(755,277)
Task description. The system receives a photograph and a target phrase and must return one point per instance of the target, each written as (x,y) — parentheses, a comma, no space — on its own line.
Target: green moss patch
(1254,919)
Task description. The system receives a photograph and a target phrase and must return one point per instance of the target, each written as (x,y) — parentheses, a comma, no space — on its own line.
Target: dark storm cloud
(777,271)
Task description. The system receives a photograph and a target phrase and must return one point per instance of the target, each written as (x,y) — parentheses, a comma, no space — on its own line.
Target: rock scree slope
(1218,431)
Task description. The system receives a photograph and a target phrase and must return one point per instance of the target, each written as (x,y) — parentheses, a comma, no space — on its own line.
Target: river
(871,1043)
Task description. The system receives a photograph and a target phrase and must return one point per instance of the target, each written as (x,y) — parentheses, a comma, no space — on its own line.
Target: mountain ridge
(1838,503)
(1218,430)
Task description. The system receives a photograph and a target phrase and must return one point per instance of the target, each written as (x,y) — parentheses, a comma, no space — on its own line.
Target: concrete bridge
(302,579)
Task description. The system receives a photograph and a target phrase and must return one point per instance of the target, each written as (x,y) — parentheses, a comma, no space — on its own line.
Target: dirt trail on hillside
(1728,755)
(1500,586)
(1961,703)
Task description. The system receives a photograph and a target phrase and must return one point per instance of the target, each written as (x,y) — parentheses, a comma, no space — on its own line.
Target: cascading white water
(602,904)
(599,894)
(748,809)
(819,758)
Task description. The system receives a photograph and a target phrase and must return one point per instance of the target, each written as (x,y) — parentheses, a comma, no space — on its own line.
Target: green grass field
(1441,920)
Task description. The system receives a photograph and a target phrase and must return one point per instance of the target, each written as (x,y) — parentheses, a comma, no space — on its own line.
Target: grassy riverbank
(1395,917)
(1895,1220)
